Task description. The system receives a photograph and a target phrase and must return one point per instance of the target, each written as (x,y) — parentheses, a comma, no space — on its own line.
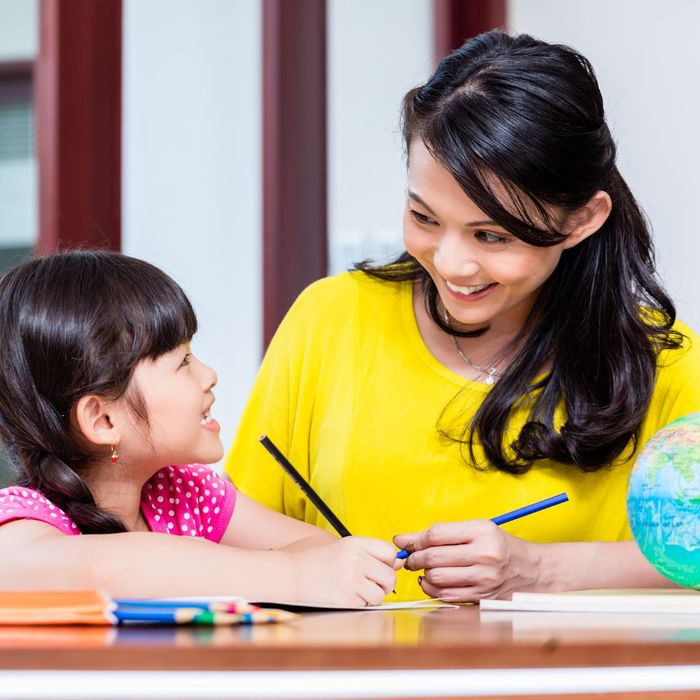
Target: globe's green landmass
(663,501)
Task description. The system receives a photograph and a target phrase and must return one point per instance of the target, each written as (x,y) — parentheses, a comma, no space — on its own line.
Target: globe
(663,501)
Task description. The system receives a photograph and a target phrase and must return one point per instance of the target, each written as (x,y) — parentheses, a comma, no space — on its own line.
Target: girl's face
(483,274)
(176,389)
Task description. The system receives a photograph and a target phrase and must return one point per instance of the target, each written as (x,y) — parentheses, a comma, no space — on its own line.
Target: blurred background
(248,147)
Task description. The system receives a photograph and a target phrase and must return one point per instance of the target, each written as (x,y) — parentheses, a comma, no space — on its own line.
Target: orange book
(56,608)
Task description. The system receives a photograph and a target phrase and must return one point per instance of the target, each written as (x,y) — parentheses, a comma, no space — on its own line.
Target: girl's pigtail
(65,488)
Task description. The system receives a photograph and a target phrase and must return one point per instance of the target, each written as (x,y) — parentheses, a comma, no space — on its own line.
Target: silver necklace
(491,373)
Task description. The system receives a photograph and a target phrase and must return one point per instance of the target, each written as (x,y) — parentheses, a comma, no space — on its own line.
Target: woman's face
(483,274)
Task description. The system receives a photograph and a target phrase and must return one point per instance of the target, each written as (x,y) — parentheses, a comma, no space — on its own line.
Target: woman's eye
(186,360)
(488,237)
(421,218)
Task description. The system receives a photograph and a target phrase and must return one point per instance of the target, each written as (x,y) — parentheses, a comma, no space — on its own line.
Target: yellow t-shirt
(350,393)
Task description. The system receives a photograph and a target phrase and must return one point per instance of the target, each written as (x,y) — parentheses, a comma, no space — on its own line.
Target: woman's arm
(352,571)
(477,559)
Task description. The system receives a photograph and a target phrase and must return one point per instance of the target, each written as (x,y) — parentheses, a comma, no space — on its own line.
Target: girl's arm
(253,526)
(352,571)
(476,559)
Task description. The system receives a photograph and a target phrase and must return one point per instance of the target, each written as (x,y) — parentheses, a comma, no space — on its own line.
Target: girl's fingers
(379,549)
(381,574)
(371,593)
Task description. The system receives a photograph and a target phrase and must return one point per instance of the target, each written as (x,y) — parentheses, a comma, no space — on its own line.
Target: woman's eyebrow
(485,222)
(413,195)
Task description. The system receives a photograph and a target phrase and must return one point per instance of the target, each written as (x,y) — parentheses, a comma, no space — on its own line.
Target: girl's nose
(209,378)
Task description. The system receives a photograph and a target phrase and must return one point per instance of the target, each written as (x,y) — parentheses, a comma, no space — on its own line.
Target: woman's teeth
(206,419)
(466,290)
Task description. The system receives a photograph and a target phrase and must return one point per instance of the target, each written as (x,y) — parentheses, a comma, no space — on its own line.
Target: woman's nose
(455,258)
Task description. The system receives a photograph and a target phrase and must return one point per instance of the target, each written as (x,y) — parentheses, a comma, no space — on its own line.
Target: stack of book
(682,601)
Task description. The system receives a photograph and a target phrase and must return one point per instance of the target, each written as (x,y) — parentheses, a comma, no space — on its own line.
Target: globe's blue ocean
(663,501)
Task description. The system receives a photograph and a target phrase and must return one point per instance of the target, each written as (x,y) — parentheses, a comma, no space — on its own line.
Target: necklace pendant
(491,376)
(489,379)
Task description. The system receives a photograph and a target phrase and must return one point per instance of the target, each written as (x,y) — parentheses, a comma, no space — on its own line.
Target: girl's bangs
(159,319)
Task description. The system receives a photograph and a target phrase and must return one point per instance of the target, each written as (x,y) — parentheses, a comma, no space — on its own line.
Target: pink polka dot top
(189,500)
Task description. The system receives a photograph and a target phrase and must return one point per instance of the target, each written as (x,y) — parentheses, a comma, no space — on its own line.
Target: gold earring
(115,456)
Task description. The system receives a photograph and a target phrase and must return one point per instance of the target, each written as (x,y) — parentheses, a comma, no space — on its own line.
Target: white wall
(377,51)
(645,54)
(191,172)
(191,150)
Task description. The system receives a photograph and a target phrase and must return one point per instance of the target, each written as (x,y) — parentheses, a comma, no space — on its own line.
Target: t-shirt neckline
(422,350)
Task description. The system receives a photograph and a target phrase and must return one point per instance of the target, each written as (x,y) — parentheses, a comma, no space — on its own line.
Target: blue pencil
(163,604)
(180,616)
(514,514)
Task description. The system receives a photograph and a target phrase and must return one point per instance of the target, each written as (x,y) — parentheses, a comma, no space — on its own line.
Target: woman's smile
(469,293)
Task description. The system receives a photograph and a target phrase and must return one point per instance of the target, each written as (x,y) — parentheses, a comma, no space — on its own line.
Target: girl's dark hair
(528,117)
(73,324)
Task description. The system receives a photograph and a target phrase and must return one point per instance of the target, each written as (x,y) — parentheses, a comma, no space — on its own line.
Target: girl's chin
(214,456)
(210,456)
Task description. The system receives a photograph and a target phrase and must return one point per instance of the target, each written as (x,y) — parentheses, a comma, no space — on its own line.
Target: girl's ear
(98,420)
(588,219)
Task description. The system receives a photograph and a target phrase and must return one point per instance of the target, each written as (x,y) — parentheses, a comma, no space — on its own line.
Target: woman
(522,345)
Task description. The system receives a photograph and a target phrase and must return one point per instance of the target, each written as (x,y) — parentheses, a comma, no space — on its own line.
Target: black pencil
(304,485)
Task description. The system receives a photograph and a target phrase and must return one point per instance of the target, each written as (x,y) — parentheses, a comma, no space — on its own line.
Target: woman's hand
(470,560)
(348,571)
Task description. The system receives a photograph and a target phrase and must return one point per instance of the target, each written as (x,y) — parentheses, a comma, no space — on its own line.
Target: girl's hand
(470,560)
(348,571)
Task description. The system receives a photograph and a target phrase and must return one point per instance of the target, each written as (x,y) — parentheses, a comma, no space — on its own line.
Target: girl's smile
(209,423)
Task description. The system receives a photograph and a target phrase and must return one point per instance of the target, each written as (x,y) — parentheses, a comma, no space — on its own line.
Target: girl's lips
(212,425)
(475,296)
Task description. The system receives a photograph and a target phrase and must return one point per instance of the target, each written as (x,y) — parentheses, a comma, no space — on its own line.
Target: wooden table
(441,653)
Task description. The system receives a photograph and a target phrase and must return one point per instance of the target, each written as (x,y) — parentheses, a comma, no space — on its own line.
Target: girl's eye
(421,218)
(186,360)
(488,237)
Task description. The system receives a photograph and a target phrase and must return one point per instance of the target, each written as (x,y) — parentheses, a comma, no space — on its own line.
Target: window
(18,192)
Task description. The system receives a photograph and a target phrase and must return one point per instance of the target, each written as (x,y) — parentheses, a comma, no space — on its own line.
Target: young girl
(107,415)
(522,346)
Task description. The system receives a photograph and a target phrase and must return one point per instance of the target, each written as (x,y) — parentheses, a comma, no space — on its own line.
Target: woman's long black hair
(73,324)
(528,116)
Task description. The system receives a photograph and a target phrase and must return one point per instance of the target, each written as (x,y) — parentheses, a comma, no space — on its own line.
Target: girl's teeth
(206,419)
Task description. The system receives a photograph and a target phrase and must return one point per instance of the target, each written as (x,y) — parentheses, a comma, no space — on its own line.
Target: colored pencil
(514,514)
(304,485)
